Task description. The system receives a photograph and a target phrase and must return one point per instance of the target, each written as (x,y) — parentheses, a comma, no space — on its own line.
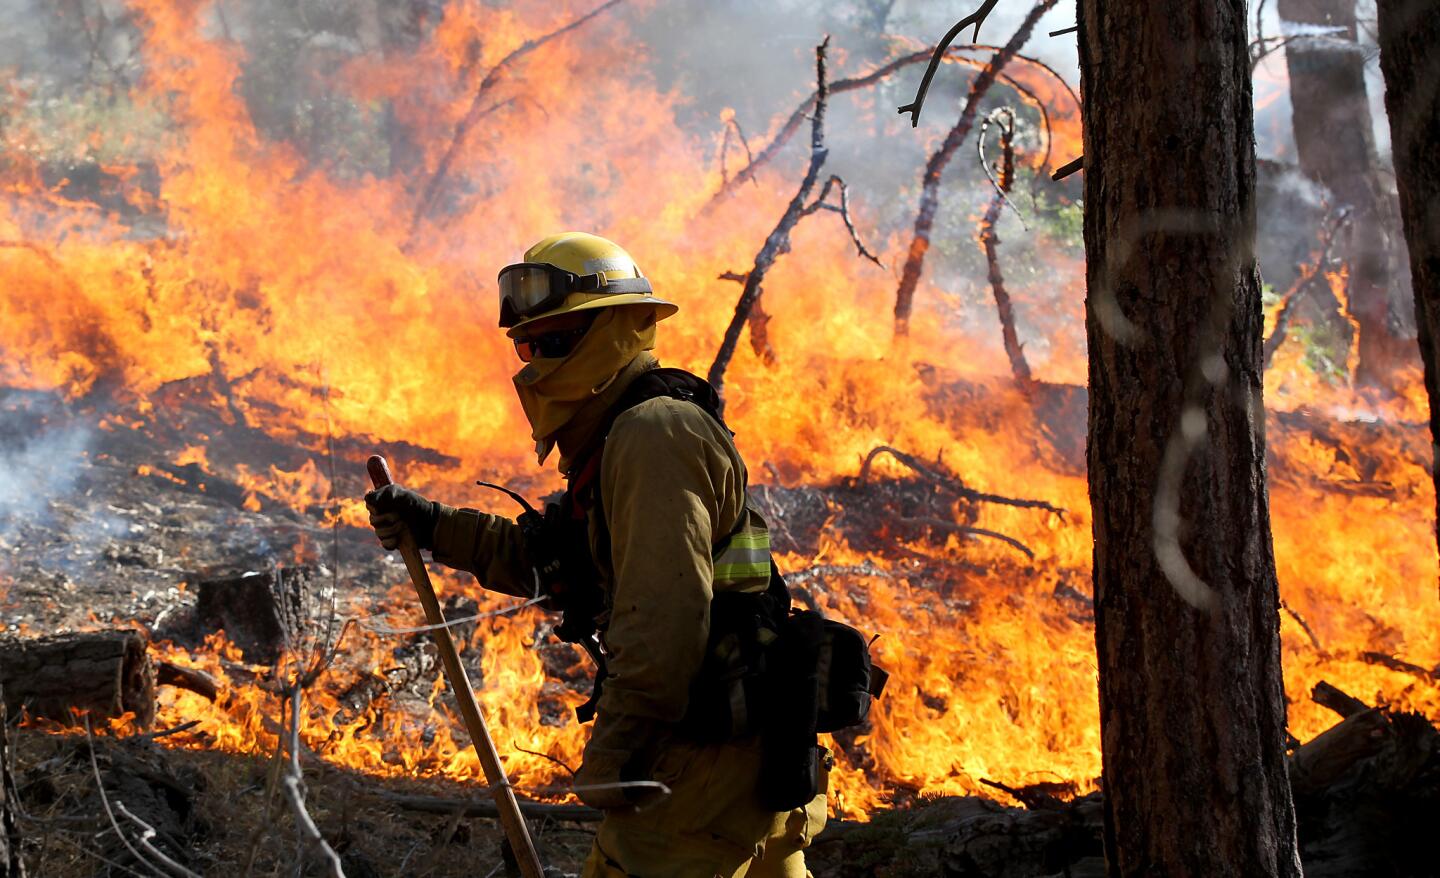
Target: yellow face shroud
(552,390)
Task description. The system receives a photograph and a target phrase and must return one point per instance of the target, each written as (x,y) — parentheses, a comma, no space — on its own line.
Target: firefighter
(659,493)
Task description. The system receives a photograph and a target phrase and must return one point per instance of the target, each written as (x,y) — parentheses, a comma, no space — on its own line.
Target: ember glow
(332,316)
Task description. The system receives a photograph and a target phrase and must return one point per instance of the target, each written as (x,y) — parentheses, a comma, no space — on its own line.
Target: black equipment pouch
(849,680)
(730,696)
(820,679)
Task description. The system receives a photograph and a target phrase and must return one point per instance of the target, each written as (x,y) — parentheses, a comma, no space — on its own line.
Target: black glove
(393,509)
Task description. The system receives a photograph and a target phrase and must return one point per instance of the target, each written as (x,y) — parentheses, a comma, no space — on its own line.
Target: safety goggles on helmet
(531,288)
(549,345)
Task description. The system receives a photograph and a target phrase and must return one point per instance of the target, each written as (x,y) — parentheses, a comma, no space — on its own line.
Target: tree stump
(101,673)
(263,613)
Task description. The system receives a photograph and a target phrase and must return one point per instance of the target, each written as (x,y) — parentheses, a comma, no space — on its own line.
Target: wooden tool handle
(379,471)
(511,819)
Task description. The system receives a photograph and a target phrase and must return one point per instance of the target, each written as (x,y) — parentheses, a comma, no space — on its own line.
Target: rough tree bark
(1409,37)
(1186,603)
(10,864)
(1335,140)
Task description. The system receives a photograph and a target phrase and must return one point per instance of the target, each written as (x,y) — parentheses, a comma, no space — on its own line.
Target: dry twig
(294,785)
(115,824)
(147,832)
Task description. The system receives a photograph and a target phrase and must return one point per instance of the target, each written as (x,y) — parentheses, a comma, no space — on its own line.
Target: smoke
(40,460)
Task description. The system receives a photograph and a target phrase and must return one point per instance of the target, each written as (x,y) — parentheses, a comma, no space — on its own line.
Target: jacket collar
(580,430)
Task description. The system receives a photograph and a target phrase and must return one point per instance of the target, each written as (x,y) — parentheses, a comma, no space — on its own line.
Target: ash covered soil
(108,524)
(113,520)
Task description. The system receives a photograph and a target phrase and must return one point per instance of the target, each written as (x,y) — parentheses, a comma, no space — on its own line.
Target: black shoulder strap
(655,384)
(674,383)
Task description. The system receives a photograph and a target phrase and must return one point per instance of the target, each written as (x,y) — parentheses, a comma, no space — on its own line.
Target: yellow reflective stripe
(759,539)
(736,572)
(743,559)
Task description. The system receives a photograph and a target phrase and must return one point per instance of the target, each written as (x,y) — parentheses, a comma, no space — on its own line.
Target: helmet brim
(663,309)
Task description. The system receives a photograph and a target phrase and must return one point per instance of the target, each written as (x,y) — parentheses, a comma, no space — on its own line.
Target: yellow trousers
(711,826)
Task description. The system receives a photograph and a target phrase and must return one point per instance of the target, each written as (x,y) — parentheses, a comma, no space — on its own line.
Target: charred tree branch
(949,482)
(779,240)
(989,241)
(1338,700)
(935,168)
(802,112)
(478,110)
(1068,168)
(953,527)
(976,18)
(732,127)
(844,210)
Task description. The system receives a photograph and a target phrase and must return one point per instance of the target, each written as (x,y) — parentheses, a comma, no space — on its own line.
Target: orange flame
(304,294)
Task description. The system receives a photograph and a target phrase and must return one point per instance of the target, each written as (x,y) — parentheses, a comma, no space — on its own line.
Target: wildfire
(328,312)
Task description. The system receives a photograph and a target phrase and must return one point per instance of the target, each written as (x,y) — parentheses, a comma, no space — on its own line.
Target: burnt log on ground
(1367,794)
(102,674)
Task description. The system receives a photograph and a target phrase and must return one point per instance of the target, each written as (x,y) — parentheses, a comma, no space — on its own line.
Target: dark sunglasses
(549,345)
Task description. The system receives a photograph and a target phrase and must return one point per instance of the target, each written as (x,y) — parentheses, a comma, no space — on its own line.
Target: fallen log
(193,679)
(100,673)
(1322,761)
(1341,702)
(486,808)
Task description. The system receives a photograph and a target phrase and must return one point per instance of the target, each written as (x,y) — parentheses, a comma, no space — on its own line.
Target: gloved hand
(393,509)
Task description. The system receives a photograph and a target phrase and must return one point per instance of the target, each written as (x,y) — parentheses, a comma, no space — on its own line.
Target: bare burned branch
(954,527)
(1068,168)
(430,194)
(949,482)
(989,241)
(778,241)
(802,112)
(732,127)
(976,18)
(843,208)
(935,168)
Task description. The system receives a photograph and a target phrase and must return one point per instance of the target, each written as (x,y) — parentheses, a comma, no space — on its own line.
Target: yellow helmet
(572,271)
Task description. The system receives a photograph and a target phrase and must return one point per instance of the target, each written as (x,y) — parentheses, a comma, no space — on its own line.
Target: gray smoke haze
(39,462)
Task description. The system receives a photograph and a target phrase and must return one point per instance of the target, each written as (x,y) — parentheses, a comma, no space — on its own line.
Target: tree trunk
(1336,144)
(1186,603)
(103,673)
(10,864)
(1409,37)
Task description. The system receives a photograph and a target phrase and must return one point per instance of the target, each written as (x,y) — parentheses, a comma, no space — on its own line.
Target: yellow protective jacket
(678,526)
